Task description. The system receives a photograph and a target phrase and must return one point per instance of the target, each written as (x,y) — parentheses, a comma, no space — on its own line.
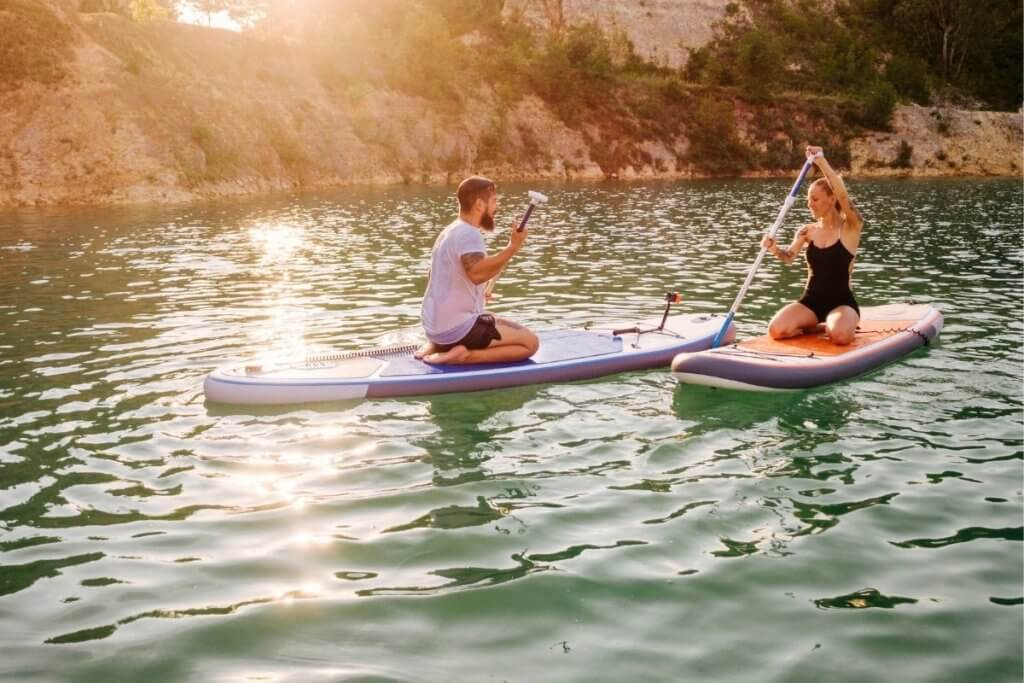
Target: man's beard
(487,222)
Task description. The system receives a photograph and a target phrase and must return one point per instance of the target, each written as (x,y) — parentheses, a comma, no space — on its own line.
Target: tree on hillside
(137,10)
(972,45)
(149,10)
(464,16)
(867,49)
(246,12)
(947,29)
(209,8)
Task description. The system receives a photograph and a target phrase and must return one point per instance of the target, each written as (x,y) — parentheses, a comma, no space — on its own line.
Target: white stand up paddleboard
(564,355)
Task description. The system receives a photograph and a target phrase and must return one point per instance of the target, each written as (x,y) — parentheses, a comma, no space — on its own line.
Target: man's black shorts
(484,331)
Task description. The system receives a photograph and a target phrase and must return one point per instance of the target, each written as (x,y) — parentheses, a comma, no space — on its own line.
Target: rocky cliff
(122,112)
(661,30)
(170,112)
(936,141)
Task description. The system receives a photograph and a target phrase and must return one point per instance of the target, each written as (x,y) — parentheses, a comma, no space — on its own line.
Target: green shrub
(781,154)
(673,91)
(463,16)
(903,157)
(697,61)
(845,67)
(575,68)
(714,143)
(760,62)
(135,60)
(721,71)
(589,51)
(879,100)
(839,154)
(424,58)
(221,161)
(288,151)
(146,11)
(909,76)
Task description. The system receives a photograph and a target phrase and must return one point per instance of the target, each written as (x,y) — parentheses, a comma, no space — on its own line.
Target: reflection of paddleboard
(564,355)
(764,364)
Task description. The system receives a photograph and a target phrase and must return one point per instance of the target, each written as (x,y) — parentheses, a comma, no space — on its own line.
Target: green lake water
(622,529)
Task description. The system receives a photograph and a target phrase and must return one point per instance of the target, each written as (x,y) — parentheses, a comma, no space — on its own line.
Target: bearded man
(457,327)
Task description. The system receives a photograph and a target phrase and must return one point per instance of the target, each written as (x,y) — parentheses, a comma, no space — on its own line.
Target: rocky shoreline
(177,113)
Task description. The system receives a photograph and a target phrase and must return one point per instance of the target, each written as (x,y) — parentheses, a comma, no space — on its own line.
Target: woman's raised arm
(854,220)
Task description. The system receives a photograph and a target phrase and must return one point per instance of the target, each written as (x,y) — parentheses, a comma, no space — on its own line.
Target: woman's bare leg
(842,324)
(792,320)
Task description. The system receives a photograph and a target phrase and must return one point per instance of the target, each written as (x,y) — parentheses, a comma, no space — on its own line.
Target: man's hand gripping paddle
(536,199)
(760,255)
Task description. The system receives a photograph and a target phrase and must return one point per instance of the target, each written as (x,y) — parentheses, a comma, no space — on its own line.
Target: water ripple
(627,528)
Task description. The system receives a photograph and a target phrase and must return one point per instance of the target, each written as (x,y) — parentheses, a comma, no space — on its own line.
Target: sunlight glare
(279,246)
(276,243)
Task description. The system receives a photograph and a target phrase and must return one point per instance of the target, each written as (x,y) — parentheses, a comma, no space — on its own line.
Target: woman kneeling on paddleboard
(832,244)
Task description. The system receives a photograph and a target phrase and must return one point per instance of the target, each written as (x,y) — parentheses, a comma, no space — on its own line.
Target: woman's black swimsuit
(828,279)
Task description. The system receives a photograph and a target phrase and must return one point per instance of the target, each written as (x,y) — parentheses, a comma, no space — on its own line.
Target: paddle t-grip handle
(536,198)
(526,217)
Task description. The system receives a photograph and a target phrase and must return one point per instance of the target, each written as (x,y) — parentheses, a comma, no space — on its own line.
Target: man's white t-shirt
(452,302)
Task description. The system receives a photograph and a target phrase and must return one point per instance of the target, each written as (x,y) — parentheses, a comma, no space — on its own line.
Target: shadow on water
(713,409)
(819,414)
(214,409)
(462,443)
(822,410)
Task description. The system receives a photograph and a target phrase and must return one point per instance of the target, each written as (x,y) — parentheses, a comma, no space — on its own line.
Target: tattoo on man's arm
(471,259)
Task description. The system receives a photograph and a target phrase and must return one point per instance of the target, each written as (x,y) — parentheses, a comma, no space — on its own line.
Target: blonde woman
(832,242)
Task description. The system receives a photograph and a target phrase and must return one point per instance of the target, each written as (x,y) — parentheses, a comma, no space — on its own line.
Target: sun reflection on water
(280,248)
(277,243)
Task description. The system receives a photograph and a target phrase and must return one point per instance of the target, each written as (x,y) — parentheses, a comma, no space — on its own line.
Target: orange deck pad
(868,332)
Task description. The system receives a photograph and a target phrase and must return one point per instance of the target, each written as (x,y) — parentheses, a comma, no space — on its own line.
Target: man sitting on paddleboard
(831,248)
(457,327)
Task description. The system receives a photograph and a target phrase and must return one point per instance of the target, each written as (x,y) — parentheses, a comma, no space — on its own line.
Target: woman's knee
(791,321)
(777,331)
(841,336)
(531,341)
(842,325)
(782,328)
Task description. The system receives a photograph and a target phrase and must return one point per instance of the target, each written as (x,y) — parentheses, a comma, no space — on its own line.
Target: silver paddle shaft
(790,198)
(760,255)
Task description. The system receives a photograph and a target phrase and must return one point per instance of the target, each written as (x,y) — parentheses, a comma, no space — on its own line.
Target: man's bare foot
(452,355)
(425,350)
